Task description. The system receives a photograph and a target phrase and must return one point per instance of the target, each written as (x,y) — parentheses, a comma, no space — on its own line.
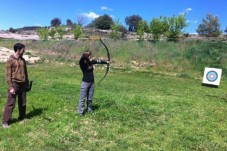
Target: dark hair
(86,54)
(18,46)
(84,57)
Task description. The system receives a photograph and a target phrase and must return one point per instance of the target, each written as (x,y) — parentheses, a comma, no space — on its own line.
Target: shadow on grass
(35,112)
(95,107)
(31,114)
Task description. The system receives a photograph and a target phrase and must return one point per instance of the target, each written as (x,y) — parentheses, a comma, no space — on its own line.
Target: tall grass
(183,57)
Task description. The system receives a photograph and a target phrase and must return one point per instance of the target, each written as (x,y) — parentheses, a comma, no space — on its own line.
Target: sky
(21,13)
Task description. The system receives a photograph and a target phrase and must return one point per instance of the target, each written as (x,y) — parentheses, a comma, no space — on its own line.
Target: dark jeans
(11,101)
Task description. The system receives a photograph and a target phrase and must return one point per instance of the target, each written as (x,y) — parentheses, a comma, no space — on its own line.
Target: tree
(77,31)
(12,30)
(55,22)
(133,22)
(81,20)
(43,33)
(115,27)
(141,29)
(103,22)
(60,31)
(69,23)
(158,27)
(210,26)
(175,26)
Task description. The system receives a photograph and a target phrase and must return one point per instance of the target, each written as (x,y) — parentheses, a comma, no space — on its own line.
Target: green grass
(132,111)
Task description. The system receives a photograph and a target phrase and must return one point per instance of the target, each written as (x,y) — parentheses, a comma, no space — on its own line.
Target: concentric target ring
(212,76)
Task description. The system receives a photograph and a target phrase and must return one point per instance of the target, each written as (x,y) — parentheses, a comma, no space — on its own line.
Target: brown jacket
(16,71)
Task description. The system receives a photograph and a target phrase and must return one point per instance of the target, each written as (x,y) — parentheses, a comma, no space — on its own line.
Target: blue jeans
(86,92)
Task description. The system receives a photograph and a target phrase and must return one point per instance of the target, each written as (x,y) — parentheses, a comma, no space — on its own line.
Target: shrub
(43,33)
(77,31)
(60,32)
(52,33)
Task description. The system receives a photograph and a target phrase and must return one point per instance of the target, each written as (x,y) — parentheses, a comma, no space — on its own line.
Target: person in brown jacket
(17,79)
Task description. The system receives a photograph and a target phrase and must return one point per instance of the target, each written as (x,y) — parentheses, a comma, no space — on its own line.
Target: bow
(108,65)
(29,86)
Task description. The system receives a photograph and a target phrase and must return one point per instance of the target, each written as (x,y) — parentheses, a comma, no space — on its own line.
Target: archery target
(212,76)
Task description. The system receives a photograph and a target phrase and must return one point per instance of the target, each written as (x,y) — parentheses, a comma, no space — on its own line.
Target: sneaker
(81,114)
(5,125)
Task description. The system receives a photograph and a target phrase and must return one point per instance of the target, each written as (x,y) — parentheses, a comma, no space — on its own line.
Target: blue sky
(20,13)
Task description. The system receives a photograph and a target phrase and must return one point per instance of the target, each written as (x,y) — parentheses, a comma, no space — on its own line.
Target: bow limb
(108,65)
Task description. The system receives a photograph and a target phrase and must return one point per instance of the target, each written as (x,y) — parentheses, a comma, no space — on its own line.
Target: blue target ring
(212,76)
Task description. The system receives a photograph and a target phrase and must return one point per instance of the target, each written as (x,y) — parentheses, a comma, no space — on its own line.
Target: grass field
(133,110)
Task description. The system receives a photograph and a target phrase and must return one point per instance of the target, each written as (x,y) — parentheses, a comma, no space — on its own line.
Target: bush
(77,31)
(43,33)
(52,33)
(115,30)
(60,32)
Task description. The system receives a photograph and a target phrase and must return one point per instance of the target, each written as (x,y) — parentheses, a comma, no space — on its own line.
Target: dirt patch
(24,36)
(5,53)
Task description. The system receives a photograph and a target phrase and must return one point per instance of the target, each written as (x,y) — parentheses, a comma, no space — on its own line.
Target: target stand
(212,77)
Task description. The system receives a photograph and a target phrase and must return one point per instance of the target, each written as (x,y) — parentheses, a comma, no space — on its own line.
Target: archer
(87,85)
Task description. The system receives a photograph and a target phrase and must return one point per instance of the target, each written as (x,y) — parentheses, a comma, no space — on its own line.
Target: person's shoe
(20,118)
(5,125)
(81,114)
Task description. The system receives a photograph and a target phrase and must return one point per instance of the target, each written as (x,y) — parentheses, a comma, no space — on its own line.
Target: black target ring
(212,76)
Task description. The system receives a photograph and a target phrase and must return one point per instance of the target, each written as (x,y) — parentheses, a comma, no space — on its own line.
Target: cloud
(112,16)
(186,11)
(192,21)
(90,15)
(106,8)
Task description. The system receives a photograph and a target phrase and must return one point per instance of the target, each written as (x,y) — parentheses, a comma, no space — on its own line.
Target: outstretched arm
(99,62)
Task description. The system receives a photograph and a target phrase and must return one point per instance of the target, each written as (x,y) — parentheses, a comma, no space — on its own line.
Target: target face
(212,76)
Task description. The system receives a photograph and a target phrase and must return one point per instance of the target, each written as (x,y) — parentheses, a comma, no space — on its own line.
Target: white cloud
(112,16)
(186,11)
(192,21)
(90,15)
(105,8)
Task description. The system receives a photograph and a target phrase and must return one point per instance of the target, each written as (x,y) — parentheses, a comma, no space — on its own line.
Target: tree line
(171,27)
